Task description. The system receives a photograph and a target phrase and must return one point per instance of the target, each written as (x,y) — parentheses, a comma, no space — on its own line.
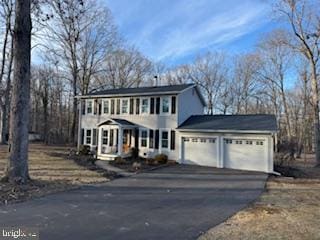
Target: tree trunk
(315,103)
(17,168)
(7,101)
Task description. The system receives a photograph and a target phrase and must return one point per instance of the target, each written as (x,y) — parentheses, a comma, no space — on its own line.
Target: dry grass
(49,172)
(289,209)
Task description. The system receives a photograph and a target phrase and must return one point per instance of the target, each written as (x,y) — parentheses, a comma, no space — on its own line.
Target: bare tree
(276,57)
(17,168)
(303,18)
(209,72)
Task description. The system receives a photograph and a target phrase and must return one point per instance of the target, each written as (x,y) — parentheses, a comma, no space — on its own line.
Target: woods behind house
(77,49)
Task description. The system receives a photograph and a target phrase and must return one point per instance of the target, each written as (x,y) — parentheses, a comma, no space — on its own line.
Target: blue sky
(176,31)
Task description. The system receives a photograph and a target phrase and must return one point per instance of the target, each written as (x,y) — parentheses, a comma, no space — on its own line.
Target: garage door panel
(200,151)
(245,154)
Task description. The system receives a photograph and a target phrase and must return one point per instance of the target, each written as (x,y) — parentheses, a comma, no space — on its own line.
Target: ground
(173,202)
(50,170)
(288,209)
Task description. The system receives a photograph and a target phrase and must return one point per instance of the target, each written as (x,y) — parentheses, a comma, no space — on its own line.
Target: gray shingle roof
(142,90)
(117,121)
(257,122)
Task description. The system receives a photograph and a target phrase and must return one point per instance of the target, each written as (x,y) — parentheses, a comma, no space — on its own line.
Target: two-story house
(170,120)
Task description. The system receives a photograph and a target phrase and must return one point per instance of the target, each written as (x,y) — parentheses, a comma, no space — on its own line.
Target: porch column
(99,140)
(120,141)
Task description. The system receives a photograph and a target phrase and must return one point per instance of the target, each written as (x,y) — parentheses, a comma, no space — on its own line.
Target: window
(165,105)
(144,105)
(105,137)
(259,143)
(112,106)
(212,140)
(164,139)
(249,142)
(238,142)
(203,140)
(228,141)
(125,106)
(88,136)
(105,106)
(144,137)
(118,106)
(186,139)
(194,139)
(89,107)
(151,138)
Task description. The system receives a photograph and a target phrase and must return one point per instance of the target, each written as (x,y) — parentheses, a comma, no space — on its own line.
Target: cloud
(173,29)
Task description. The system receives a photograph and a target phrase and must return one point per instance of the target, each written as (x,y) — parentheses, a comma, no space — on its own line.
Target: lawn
(288,209)
(50,171)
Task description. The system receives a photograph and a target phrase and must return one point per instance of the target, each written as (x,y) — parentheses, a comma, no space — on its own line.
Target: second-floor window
(105,106)
(165,105)
(89,107)
(125,106)
(144,105)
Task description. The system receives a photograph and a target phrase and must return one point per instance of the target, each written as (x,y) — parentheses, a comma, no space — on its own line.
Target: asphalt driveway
(177,202)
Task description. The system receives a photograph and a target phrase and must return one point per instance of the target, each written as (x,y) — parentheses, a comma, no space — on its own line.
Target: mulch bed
(135,165)
(12,193)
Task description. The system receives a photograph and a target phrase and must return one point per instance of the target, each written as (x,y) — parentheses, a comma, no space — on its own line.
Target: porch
(116,138)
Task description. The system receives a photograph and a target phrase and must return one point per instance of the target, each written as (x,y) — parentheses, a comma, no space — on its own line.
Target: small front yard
(289,209)
(50,170)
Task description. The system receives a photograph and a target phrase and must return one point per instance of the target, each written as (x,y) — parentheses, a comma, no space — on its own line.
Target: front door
(105,140)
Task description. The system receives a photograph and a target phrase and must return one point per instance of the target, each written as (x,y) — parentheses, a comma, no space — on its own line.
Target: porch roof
(117,121)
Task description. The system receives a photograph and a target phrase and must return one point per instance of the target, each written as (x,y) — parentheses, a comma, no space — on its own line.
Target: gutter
(225,131)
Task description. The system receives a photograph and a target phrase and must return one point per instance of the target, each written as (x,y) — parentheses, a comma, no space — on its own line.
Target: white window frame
(92,106)
(86,136)
(169,105)
(103,105)
(127,108)
(105,137)
(148,106)
(169,140)
(146,138)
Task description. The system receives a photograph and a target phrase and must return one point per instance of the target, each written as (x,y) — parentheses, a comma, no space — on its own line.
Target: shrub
(135,152)
(161,158)
(84,150)
(119,161)
(136,165)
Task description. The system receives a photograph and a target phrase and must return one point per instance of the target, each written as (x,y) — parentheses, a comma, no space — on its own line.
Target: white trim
(225,131)
(148,106)
(92,106)
(102,106)
(169,107)
(140,138)
(128,106)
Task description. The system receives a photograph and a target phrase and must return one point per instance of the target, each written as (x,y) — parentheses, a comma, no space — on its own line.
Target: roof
(141,90)
(251,123)
(117,121)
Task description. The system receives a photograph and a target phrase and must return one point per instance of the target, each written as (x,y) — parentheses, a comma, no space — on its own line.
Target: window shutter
(118,106)
(173,104)
(137,105)
(158,105)
(173,140)
(83,106)
(131,105)
(151,141)
(152,106)
(99,107)
(82,136)
(111,138)
(95,103)
(94,137)
(136,138)
(112,106)
(156,142)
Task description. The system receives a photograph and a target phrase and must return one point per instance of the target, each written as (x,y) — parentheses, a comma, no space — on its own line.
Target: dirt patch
(289,209)
(51,171)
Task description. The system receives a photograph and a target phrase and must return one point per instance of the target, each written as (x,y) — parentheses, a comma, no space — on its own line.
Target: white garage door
(199,151)
(246,154)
